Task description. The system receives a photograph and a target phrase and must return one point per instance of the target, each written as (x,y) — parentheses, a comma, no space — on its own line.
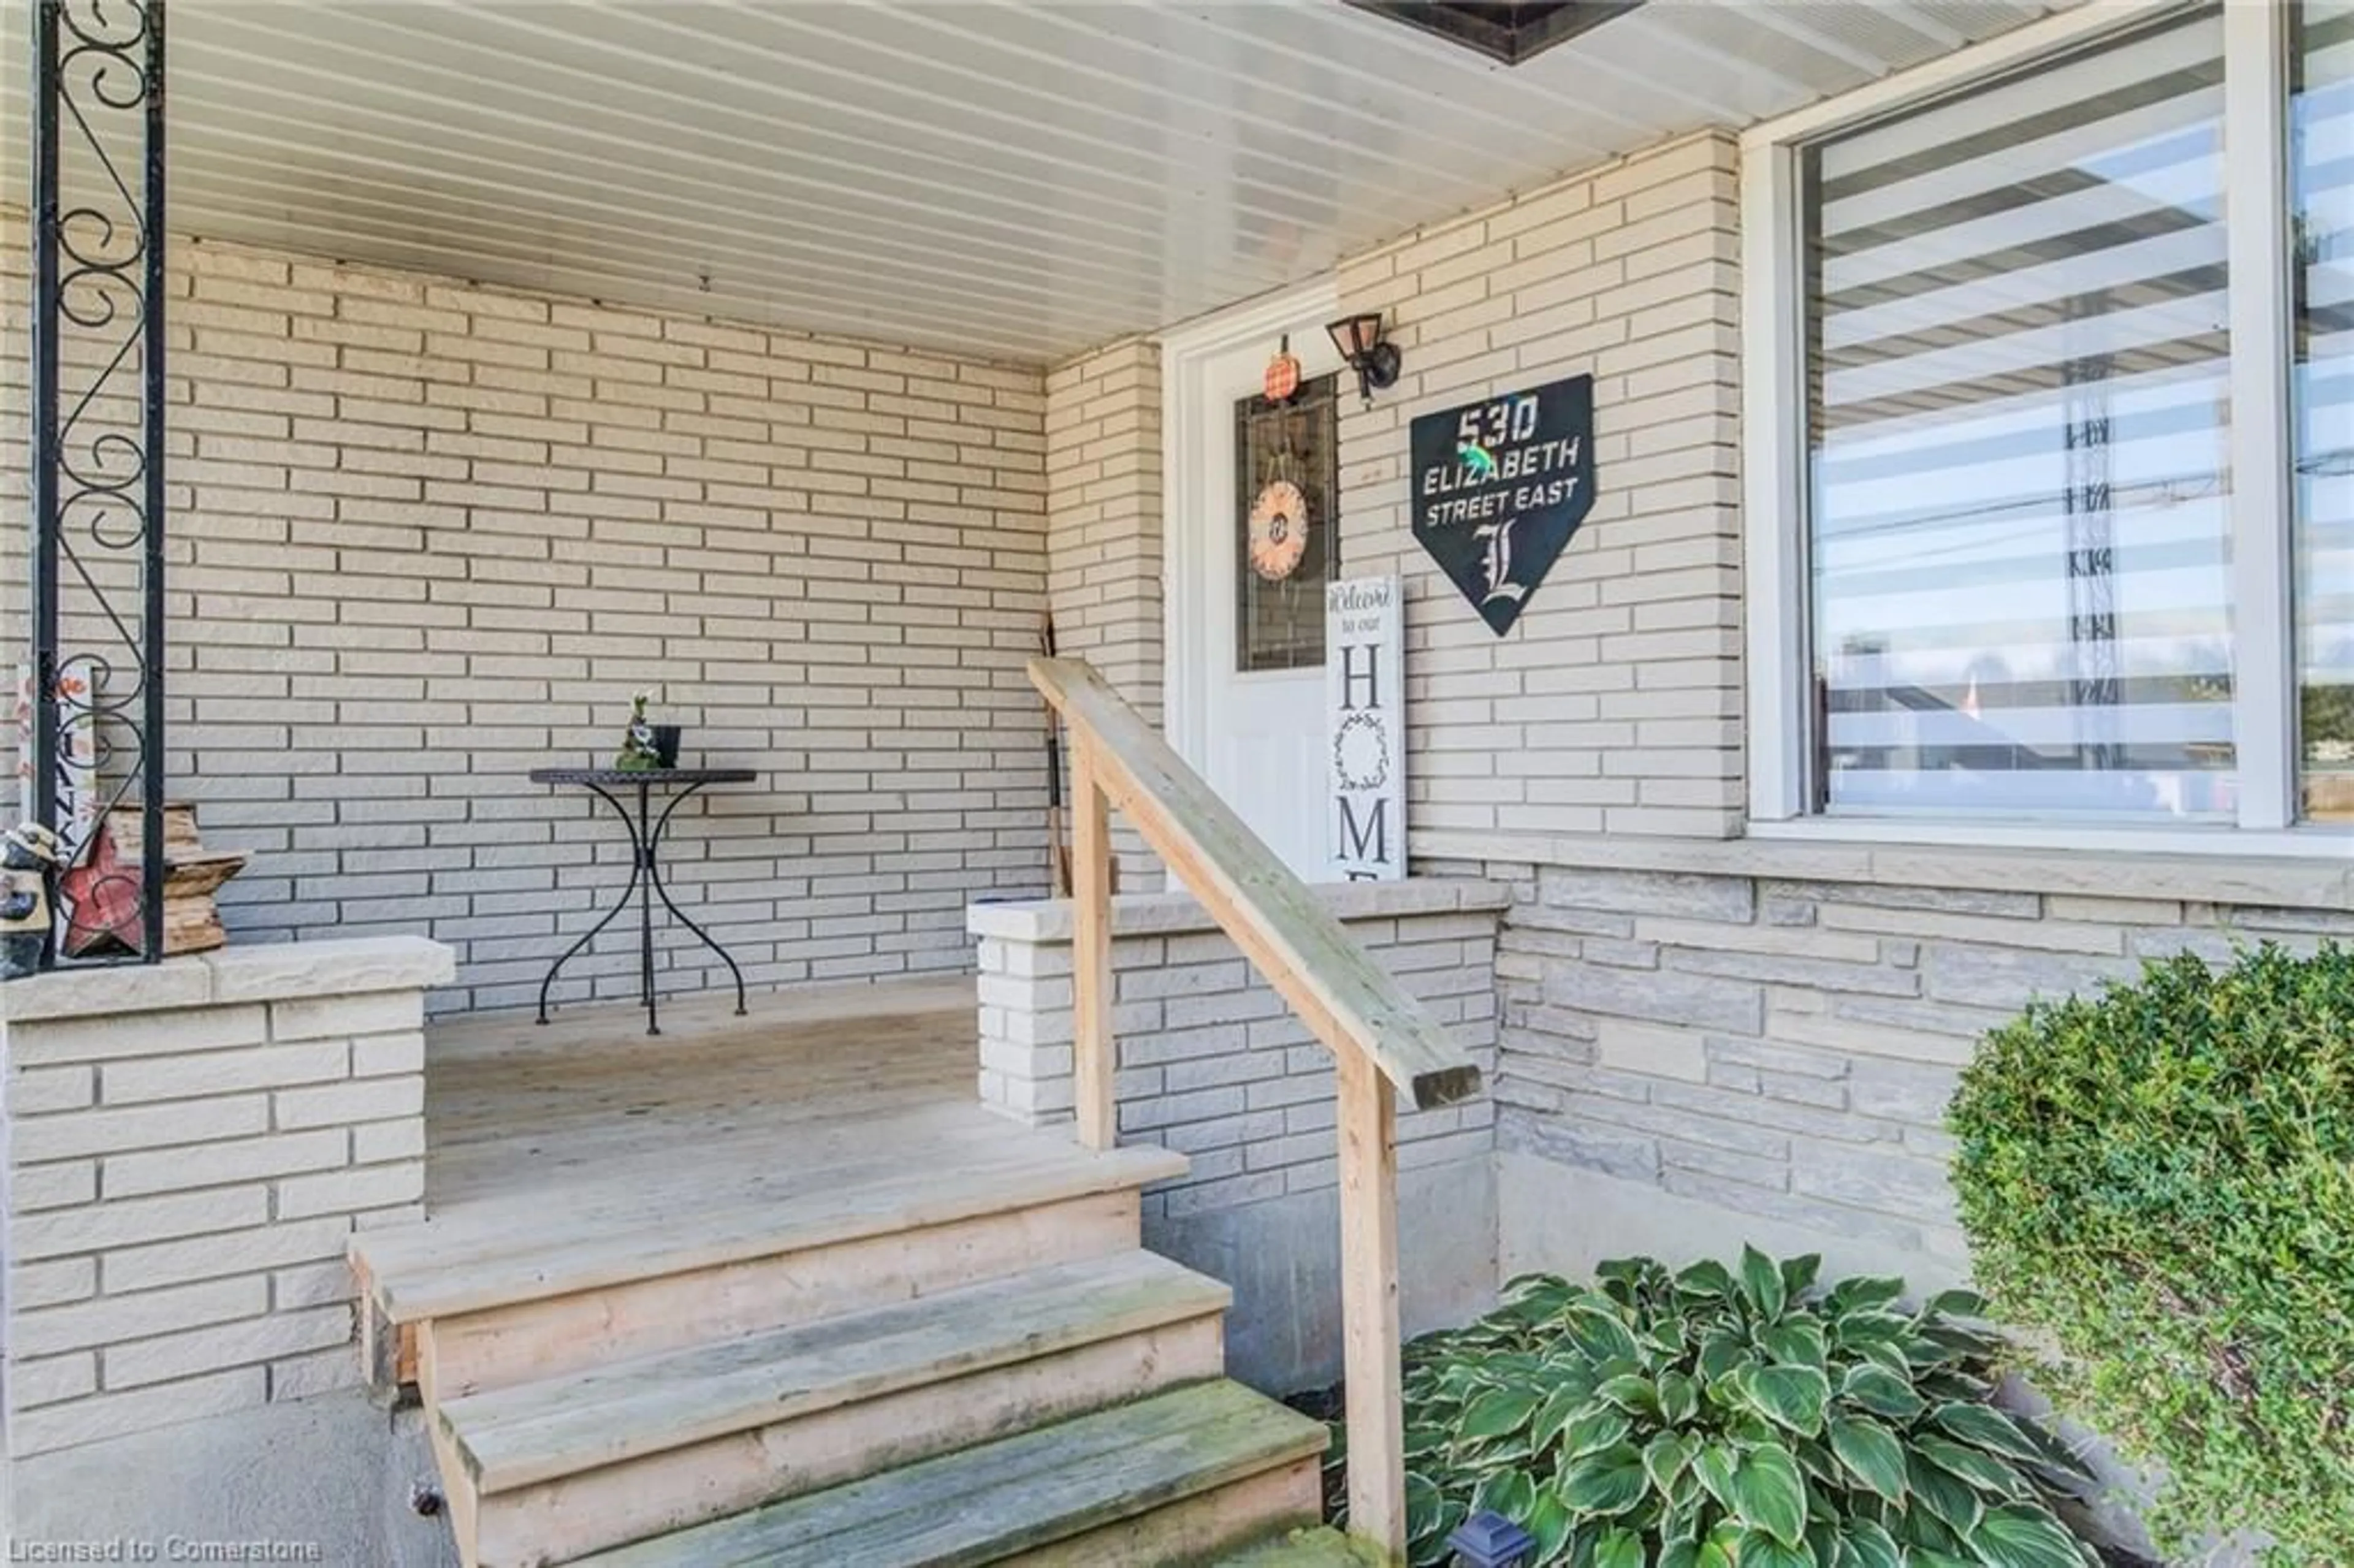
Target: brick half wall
(185,1152)
(1213,1064)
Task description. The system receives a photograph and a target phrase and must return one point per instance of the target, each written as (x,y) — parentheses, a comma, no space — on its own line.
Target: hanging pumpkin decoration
(1281,382)
(1278,530)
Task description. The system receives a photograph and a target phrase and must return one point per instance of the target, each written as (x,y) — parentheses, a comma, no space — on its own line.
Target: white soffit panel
(1021,178)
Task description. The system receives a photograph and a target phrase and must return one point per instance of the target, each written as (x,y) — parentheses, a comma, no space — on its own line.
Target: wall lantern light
(1364,349)
(1491,1541)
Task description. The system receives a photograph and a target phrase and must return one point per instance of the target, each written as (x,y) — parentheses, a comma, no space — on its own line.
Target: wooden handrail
(1348,1001)
(1385,1043)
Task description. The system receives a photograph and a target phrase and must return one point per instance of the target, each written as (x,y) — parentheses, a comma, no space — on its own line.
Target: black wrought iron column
(97,608)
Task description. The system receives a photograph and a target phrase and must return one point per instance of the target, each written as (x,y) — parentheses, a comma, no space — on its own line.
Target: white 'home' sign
(1365,705)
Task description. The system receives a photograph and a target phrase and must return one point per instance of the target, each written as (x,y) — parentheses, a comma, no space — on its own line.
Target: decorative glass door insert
(1287,490)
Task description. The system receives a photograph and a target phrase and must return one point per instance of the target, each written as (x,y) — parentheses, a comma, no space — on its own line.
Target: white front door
(1246,650)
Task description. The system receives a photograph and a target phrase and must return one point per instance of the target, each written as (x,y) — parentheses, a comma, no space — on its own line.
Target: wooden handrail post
(1094,1052)
(1382,1040)
(1368,1305)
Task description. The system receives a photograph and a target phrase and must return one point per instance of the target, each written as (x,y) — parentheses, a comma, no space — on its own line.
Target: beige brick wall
(1614,705)
(1212,1062)
(1103,505)
(425,538)
(185,1152)
(1103,534)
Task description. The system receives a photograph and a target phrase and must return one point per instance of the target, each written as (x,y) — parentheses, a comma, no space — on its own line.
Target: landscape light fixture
(1491,1541)
(1364,349)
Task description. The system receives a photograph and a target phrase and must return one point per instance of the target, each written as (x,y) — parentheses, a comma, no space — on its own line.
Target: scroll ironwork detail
(92,693)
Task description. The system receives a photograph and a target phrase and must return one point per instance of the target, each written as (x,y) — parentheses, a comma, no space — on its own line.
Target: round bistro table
(645,831)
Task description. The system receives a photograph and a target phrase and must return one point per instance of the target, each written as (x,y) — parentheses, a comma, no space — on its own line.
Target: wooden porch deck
(517,1113)
(732,1294)
(587,1154)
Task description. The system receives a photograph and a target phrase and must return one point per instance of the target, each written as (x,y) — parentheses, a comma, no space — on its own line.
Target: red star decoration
(101,893)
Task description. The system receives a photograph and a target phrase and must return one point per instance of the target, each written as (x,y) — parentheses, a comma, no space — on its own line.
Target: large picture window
(2018,405)
(2050,409)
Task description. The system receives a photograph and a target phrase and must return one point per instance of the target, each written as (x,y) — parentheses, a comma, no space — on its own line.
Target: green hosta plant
(1730,1418)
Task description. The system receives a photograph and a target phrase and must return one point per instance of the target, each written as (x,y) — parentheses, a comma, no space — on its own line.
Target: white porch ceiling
(1019,177)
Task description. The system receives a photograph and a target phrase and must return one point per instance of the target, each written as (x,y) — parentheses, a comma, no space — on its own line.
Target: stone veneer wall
(1701,1042)
(186,1150)
(425,536)
(1213,1065)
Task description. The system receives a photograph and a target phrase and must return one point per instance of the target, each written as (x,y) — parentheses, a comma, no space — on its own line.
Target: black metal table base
(645,883)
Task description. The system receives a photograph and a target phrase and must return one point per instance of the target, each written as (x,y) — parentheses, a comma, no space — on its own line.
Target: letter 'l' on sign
(1365,705)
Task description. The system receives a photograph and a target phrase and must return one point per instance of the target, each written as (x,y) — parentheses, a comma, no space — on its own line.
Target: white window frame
(1774,465)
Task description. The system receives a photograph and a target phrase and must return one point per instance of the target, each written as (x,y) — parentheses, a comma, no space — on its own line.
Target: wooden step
(491,1294)
(1182,1476)
(574,1464)
(561,1425)
(492,1254)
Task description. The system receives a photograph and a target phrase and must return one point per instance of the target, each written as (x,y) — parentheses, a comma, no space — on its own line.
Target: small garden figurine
(637,751)
(28,865)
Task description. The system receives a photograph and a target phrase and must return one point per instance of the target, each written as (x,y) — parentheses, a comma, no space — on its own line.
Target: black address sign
(1499,487)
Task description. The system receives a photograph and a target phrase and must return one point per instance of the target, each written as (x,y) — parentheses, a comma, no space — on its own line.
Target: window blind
(2321,171)
(2017,405)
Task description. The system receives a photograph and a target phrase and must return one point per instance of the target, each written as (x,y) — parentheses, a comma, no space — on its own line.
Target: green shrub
(2161,1181)
(1721,1417)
